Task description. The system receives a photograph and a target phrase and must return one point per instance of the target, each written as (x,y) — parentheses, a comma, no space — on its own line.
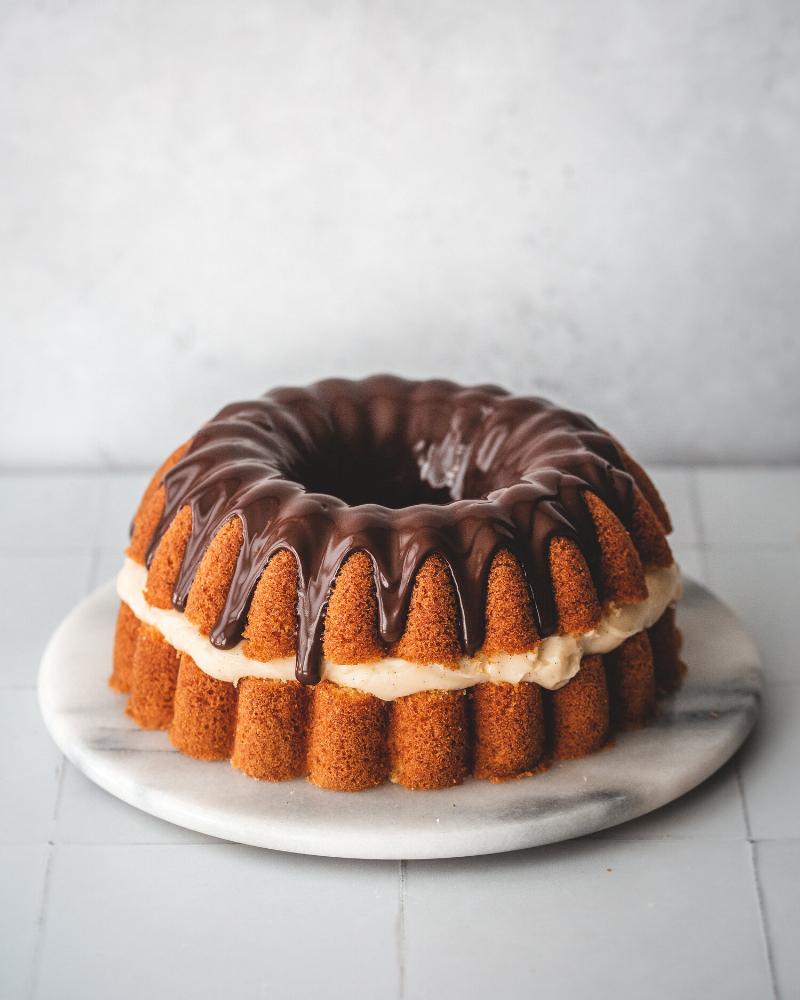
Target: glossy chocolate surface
(400,470)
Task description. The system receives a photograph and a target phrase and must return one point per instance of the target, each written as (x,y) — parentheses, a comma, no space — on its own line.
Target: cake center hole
(371,480)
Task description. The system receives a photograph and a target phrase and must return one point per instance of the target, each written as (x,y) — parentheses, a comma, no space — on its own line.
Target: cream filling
(554,661)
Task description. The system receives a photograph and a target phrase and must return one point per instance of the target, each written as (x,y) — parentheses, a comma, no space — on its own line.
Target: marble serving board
(694,734)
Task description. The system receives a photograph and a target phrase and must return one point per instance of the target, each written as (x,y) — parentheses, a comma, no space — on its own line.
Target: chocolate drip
(400,470)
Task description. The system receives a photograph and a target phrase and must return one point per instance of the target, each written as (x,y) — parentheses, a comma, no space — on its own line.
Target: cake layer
(349,740)
(551,664)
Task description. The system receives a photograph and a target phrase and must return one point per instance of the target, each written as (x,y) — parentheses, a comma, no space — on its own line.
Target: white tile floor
(216,921)
(591,918)
(701,898)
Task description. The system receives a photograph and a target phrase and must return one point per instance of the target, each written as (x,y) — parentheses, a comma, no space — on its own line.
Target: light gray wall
(596,201)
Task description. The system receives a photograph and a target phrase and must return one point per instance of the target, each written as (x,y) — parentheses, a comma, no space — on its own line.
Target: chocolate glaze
(399,470)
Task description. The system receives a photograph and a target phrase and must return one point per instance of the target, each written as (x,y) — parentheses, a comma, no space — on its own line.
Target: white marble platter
(694,734)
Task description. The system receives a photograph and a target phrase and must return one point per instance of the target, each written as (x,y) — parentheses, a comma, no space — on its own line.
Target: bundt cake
(384,579)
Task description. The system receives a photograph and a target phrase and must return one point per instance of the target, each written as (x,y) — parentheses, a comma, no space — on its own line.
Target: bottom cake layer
(348,740)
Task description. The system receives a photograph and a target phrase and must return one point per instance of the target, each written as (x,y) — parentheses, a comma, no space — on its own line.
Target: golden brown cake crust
(428,739)
(621,575)
(431,634)
(124,647)
(631,682)
(167,560)
(509,729)
(205,714)
(665,642)
(151,508)
(648,535)
(271,625)
(351,621)
(509,619)
(575,596)
(154,675)
(347,739)
(271,725)
(580,714)
(647,487)
(213,578)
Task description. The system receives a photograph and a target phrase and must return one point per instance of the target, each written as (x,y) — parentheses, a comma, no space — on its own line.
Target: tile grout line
(33,975)
(401,930)
(700,524)
(67,549)
(58,797)
(762,914)
(80,471)
(743,800)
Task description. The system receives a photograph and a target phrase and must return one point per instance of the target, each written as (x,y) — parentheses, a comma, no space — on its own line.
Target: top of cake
(386,480)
